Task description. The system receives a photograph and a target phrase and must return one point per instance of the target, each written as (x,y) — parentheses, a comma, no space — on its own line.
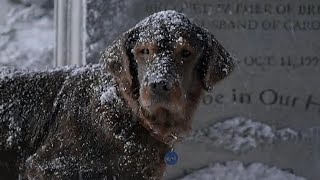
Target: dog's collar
(169,140)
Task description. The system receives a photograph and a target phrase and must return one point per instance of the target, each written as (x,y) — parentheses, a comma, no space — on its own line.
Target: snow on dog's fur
(116,119)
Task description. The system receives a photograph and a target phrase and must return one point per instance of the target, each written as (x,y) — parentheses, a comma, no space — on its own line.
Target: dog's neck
(144,118)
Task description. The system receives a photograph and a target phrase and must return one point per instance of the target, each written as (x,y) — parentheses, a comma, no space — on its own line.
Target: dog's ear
(117,60)
(217,63)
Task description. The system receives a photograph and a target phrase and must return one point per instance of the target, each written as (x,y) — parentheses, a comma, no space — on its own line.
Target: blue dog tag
(171,158)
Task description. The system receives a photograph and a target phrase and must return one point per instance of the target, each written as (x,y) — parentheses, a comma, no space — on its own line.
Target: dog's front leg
(38,167)
(52,162)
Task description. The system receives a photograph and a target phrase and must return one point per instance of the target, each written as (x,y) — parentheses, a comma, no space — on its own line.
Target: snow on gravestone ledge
(240,134)
(236,170)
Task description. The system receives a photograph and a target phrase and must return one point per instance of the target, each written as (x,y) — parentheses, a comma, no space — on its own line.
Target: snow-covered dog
(116,119)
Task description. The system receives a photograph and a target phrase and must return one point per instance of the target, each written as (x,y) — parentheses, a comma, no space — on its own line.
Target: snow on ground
(235,170)
(240,134)
(27,38)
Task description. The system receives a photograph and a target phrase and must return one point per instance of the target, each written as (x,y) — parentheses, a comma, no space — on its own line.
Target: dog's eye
(185,53)
(145,51)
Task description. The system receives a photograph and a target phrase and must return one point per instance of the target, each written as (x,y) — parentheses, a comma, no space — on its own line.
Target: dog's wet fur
(116,119)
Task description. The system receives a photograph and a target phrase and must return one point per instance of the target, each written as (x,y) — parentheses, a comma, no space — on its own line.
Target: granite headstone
(275,85)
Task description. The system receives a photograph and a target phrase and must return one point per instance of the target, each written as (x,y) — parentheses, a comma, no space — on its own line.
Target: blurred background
(263,122)
(27,35)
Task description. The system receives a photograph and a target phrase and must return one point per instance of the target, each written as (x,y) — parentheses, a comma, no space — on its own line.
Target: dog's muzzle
(162,86)
(161,77)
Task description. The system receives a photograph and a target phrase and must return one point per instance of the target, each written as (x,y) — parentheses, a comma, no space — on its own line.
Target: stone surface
(27,36)
(47,4)
(4,9)
(276,81)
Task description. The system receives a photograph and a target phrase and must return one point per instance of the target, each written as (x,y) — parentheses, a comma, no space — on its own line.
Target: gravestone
(4,9)
(276,83)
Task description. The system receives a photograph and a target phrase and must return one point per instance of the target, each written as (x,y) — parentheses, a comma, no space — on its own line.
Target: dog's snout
(161,86)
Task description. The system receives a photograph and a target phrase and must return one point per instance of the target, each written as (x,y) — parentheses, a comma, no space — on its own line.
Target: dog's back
(86,123)
(68,121)
(27,107)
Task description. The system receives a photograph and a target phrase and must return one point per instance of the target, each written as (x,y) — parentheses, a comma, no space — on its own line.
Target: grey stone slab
(276,80)
(4,9)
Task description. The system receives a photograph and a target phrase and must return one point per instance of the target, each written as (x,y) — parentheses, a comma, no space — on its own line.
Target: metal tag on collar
(171,157)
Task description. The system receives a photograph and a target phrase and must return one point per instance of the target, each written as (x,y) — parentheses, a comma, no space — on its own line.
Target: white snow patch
(153,26)
(180,40)
(199,36)
(109,95)
(287,134)
(6,72)
(240,134)
(235,170)
(79,70)
(9,141)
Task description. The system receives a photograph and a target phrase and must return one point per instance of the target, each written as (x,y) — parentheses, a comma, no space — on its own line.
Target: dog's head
(162,65)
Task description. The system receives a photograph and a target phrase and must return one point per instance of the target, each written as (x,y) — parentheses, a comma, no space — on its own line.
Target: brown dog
(84,123)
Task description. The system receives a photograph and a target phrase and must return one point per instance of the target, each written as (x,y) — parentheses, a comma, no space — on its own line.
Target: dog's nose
(161,86)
